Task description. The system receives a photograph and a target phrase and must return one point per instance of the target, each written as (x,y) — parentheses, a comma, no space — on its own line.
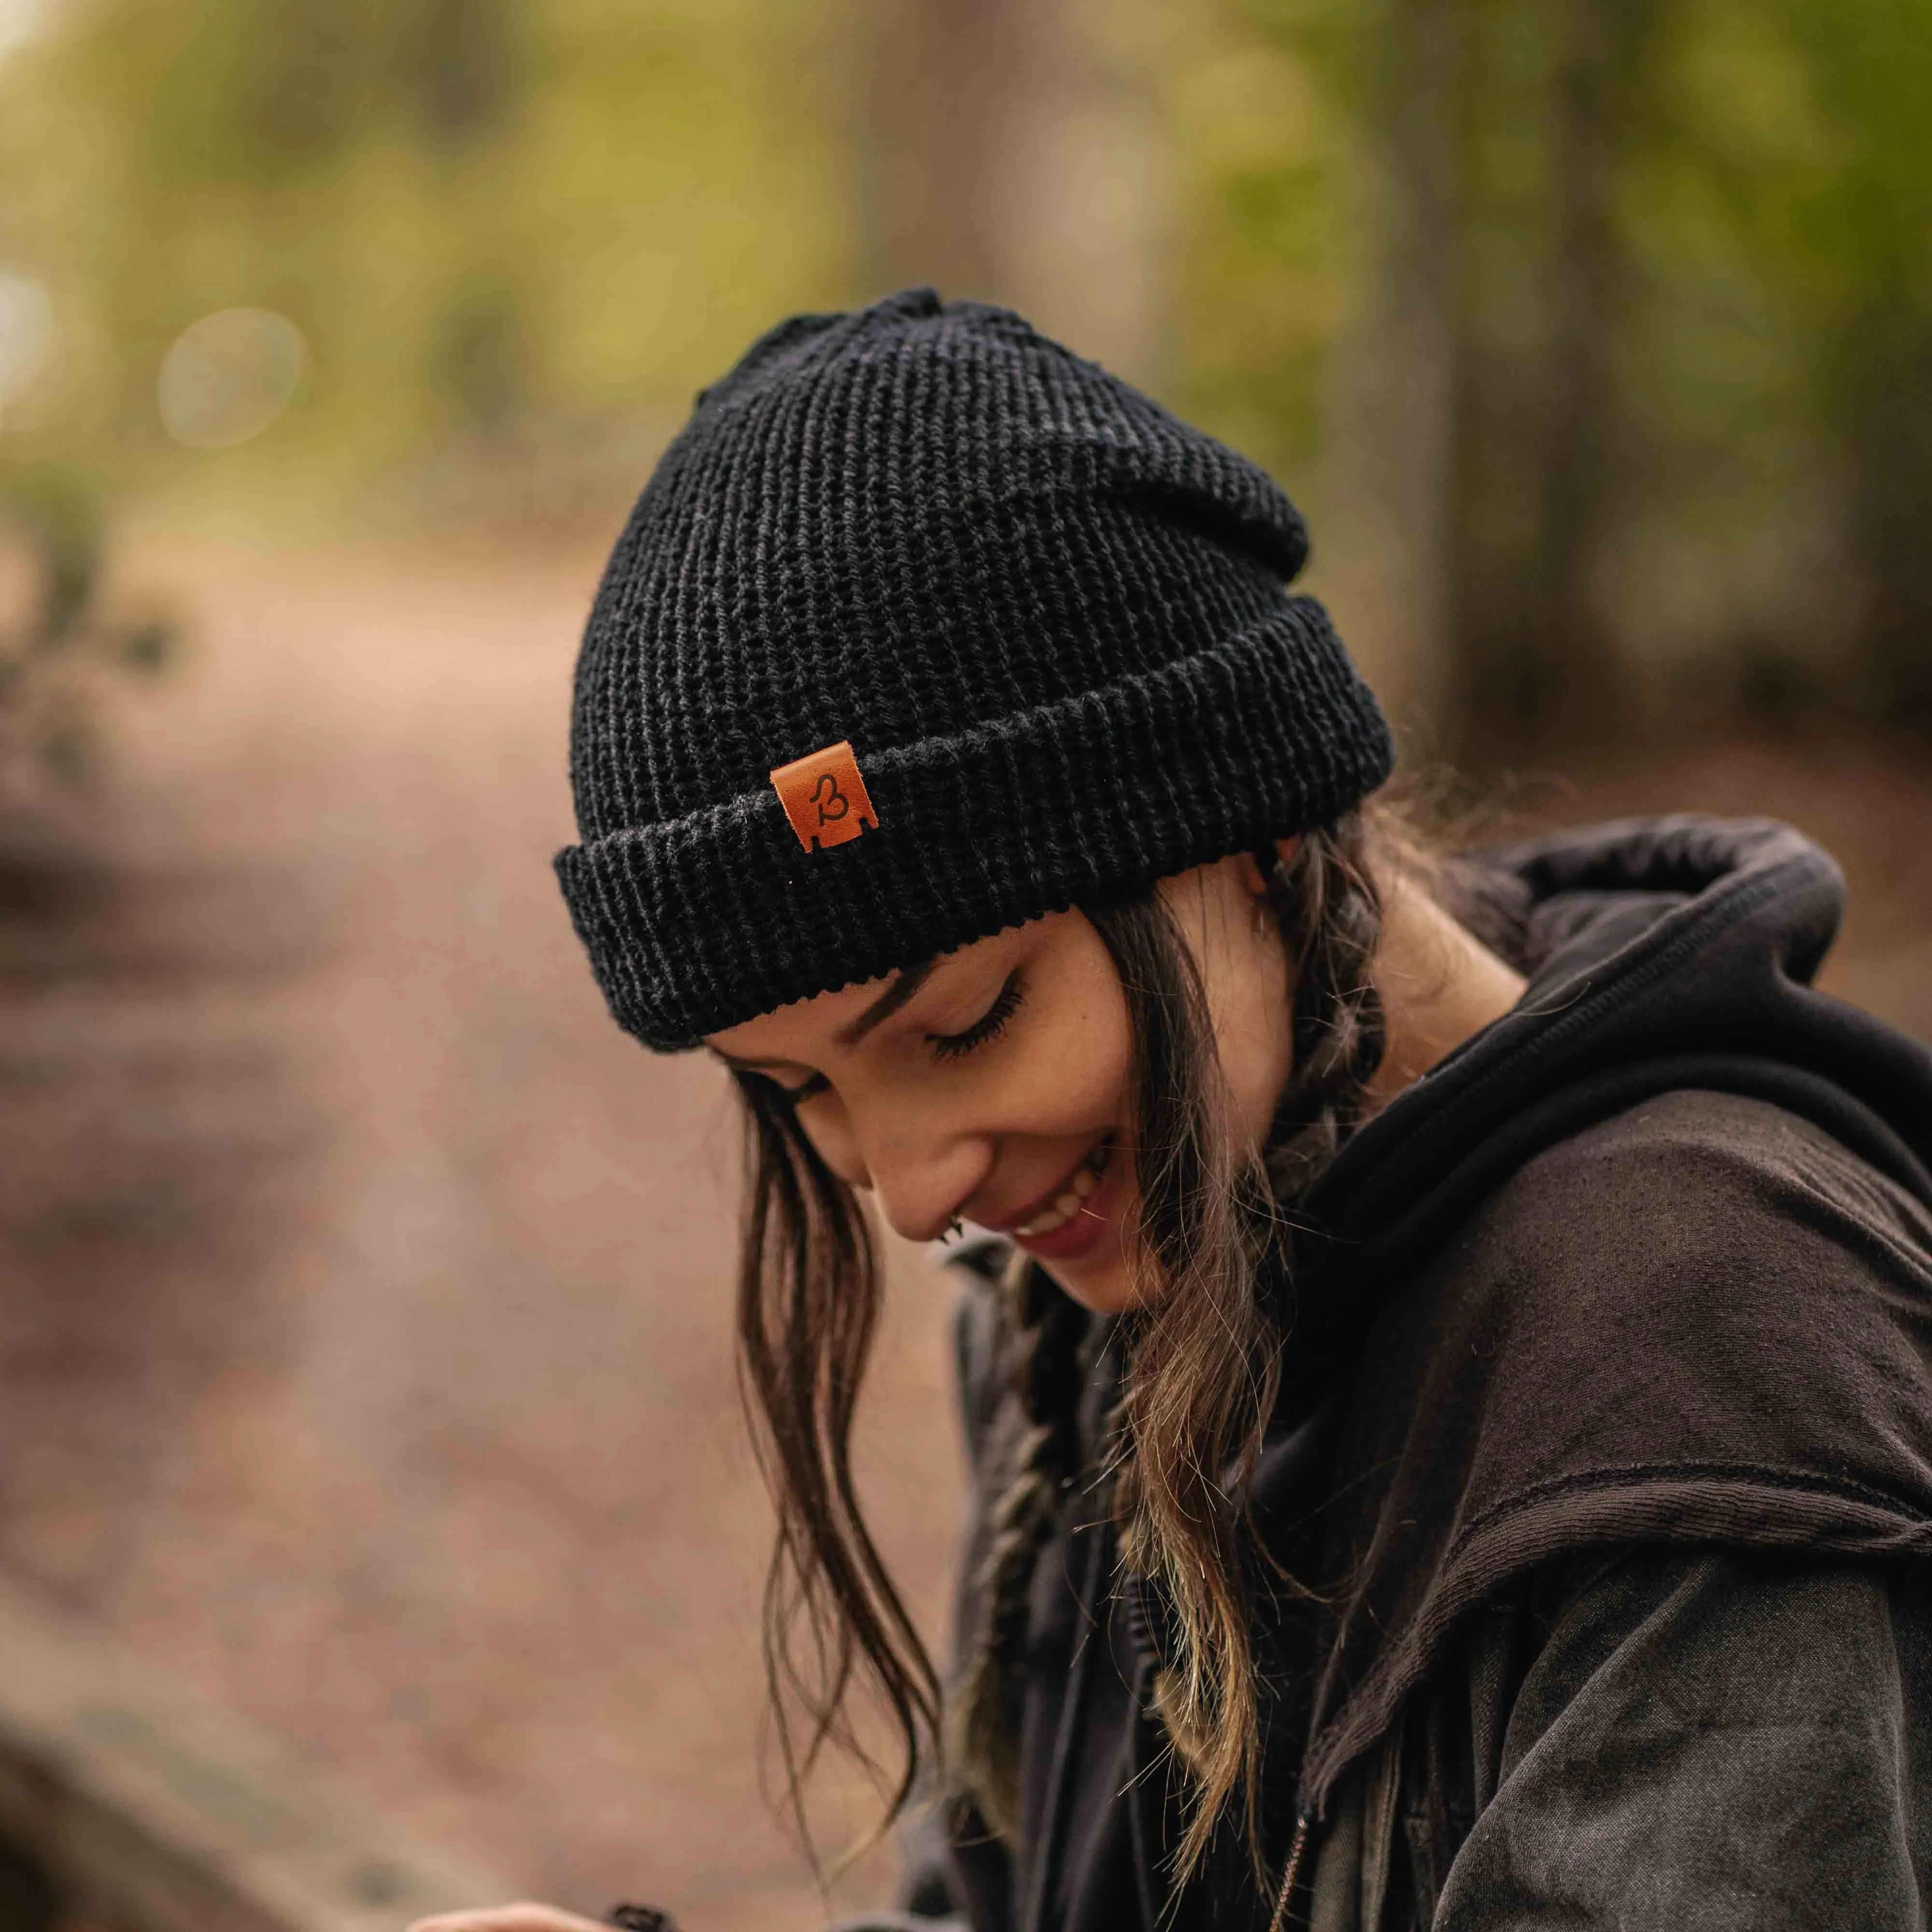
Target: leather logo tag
(824,797)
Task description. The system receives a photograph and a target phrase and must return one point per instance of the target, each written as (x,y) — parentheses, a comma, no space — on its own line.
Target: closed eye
(989,1026)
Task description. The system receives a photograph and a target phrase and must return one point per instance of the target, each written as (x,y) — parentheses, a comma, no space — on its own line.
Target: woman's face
(992,1085)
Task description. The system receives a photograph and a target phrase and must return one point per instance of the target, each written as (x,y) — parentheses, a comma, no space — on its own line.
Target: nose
(922,1172)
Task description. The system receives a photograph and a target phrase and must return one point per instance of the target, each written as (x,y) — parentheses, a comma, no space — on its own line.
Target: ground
(364,1295)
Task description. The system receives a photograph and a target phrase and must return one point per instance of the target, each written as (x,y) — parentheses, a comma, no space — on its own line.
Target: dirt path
(364,1349)
(363,1346)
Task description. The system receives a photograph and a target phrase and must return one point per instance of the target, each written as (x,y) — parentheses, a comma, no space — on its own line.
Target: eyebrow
(887,1004)
(881,1010)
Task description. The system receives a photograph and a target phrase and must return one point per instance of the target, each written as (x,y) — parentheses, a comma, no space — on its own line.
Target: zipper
(1297,1845)
(1034,1917)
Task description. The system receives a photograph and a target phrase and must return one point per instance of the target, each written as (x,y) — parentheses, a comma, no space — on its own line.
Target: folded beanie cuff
(699,923)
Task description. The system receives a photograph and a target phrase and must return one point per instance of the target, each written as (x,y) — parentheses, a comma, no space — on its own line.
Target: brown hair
(1203,1363)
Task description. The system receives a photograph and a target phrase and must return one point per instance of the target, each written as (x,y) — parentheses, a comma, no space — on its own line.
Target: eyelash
(947,1046)
(989,1026)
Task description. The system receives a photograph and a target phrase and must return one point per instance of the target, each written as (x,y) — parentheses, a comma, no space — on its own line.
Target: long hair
(1203,1366)
(808,1295)
(1205,1349)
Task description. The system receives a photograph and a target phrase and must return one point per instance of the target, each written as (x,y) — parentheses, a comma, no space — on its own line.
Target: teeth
(1045,1223)
(1080,1188)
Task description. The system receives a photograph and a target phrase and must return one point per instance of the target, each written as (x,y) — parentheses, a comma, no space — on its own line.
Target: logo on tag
(824,797)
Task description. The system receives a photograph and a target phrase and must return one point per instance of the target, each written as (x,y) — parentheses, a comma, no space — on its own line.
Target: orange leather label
(824,797)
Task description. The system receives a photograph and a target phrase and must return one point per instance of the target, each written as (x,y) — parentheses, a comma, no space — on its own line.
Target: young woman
(1450,1397)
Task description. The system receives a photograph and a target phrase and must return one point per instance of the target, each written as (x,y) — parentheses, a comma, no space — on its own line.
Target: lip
(1074,1237)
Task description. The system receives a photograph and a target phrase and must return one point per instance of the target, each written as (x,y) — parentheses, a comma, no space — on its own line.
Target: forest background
(361,1315)
(1597,339)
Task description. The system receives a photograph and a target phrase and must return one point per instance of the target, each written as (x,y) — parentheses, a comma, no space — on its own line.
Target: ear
(1249,873)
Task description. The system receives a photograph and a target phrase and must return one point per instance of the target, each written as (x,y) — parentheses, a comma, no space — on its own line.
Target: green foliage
(55,654)
(479,213)
(1265,282)
(1691,301)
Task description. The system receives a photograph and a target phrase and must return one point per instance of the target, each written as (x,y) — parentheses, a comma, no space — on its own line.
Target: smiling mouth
(1065,1205)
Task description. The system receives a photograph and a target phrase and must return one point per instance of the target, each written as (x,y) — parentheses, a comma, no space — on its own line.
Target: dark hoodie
(1606,1453)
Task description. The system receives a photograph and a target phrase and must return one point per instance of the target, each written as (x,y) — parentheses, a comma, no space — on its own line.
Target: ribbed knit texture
(1049,616)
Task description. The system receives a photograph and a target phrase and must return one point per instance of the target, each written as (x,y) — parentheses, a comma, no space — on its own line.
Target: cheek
(1079,1087)
(1071,1074)
(823,1122)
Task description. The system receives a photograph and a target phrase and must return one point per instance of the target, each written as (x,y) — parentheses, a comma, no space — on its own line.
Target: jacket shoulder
(1702,1323)
(1697,1207)
(1705,1287)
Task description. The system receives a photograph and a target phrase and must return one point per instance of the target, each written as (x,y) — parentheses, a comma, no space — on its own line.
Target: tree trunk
(1009,151)
(1392,414)
(1890,452)
(1537,464)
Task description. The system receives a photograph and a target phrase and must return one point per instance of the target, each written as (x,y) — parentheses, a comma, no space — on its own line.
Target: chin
(1105,1290)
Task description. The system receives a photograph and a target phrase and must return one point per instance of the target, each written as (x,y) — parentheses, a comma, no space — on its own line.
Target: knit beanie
(924,627)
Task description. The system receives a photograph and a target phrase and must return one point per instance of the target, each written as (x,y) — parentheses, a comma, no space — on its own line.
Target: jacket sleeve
(1721,1740)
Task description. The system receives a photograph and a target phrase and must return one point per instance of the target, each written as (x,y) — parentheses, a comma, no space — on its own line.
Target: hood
(1662,954)
(1580,1284)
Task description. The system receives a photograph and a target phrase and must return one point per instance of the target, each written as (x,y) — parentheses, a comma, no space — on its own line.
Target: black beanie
(1022,634)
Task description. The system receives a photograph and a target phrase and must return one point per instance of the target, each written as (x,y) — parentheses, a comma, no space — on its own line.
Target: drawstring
(1297,1846)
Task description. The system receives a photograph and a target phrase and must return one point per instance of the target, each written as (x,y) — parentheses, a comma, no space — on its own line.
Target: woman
(1451,1414)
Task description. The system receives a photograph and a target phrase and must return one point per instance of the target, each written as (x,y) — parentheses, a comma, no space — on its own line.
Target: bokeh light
(229,376)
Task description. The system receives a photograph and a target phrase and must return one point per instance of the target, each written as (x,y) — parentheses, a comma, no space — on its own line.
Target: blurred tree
(1555,95)
(1596,335)
(1013,150)
(1482,376)
(1632,381)
(1402,369)
(938,88)
(1871,62)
